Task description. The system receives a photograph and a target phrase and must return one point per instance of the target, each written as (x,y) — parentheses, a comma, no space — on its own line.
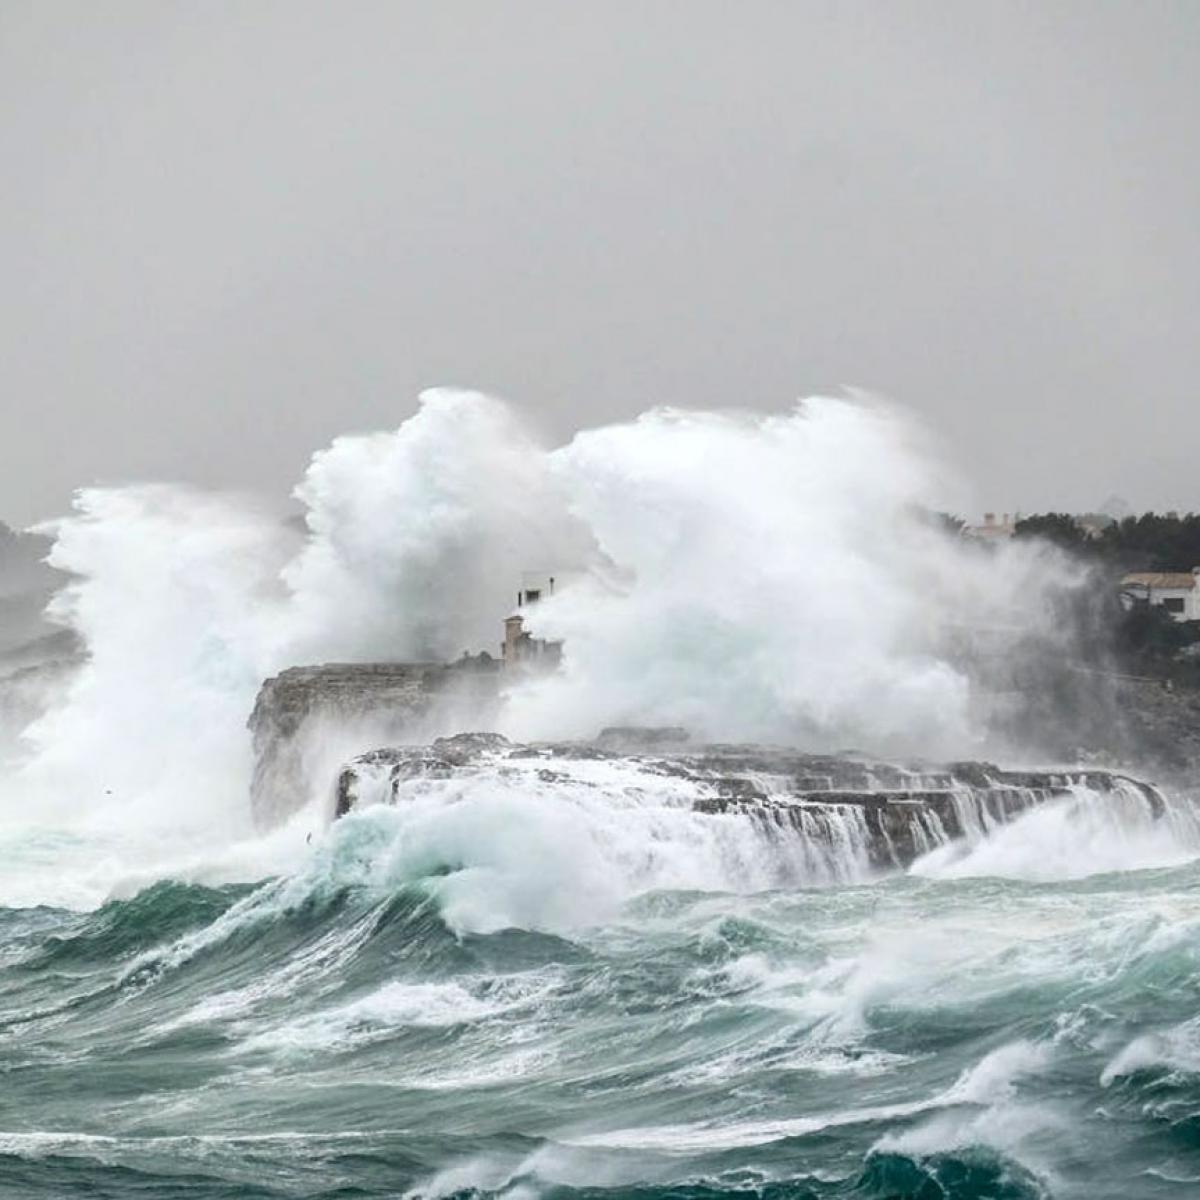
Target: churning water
(568,983)
(584,989)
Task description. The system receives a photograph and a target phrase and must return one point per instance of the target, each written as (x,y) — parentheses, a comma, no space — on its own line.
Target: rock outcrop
(308,721)
(888,813)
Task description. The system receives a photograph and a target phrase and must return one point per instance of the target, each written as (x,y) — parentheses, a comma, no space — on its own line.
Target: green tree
(1060,528)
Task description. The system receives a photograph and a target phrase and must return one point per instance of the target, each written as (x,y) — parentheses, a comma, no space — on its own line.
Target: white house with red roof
(1177,591)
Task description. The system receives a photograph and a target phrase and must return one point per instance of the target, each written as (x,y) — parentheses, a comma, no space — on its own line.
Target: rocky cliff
(308,720)
(37,657)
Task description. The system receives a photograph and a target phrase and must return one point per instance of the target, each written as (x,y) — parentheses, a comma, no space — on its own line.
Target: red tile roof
(1180,580)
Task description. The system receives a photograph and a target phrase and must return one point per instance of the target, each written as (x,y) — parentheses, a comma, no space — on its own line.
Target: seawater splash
(417,537)
(172,593)
(746,575)
(1084,834)
(781,584)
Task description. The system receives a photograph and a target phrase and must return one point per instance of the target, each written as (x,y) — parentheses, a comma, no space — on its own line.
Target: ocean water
(567,983)
(576,987)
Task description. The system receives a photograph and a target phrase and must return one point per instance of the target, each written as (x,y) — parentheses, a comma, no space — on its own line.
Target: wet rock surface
(1135,727)
(899,811)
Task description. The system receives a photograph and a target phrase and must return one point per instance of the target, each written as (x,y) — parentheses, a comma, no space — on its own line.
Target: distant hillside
(37,659)
(22,568)
(26,584)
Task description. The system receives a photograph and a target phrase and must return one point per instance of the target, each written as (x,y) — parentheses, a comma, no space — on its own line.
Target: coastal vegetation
(1149,542)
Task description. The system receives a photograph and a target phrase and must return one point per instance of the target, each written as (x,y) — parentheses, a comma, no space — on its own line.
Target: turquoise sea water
(341,1031)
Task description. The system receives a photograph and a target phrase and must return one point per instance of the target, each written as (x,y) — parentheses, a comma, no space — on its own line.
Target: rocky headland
(358,733)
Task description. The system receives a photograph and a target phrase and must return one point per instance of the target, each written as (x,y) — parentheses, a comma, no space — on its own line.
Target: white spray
(783,583)
(776,581)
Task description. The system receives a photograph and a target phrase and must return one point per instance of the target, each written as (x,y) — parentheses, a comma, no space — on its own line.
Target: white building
(1177,591)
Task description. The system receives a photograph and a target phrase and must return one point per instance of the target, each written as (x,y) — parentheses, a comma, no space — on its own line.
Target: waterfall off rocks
(839,817)
(354,735)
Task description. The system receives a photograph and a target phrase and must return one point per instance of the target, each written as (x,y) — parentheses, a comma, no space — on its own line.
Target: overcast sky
(229,231)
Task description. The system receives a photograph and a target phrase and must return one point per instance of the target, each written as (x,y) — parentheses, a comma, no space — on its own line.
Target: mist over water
(524,982)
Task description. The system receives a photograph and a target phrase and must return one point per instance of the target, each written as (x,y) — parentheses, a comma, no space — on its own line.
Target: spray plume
(747,576)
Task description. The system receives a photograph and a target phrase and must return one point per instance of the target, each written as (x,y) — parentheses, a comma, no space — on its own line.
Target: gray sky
(231,230)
